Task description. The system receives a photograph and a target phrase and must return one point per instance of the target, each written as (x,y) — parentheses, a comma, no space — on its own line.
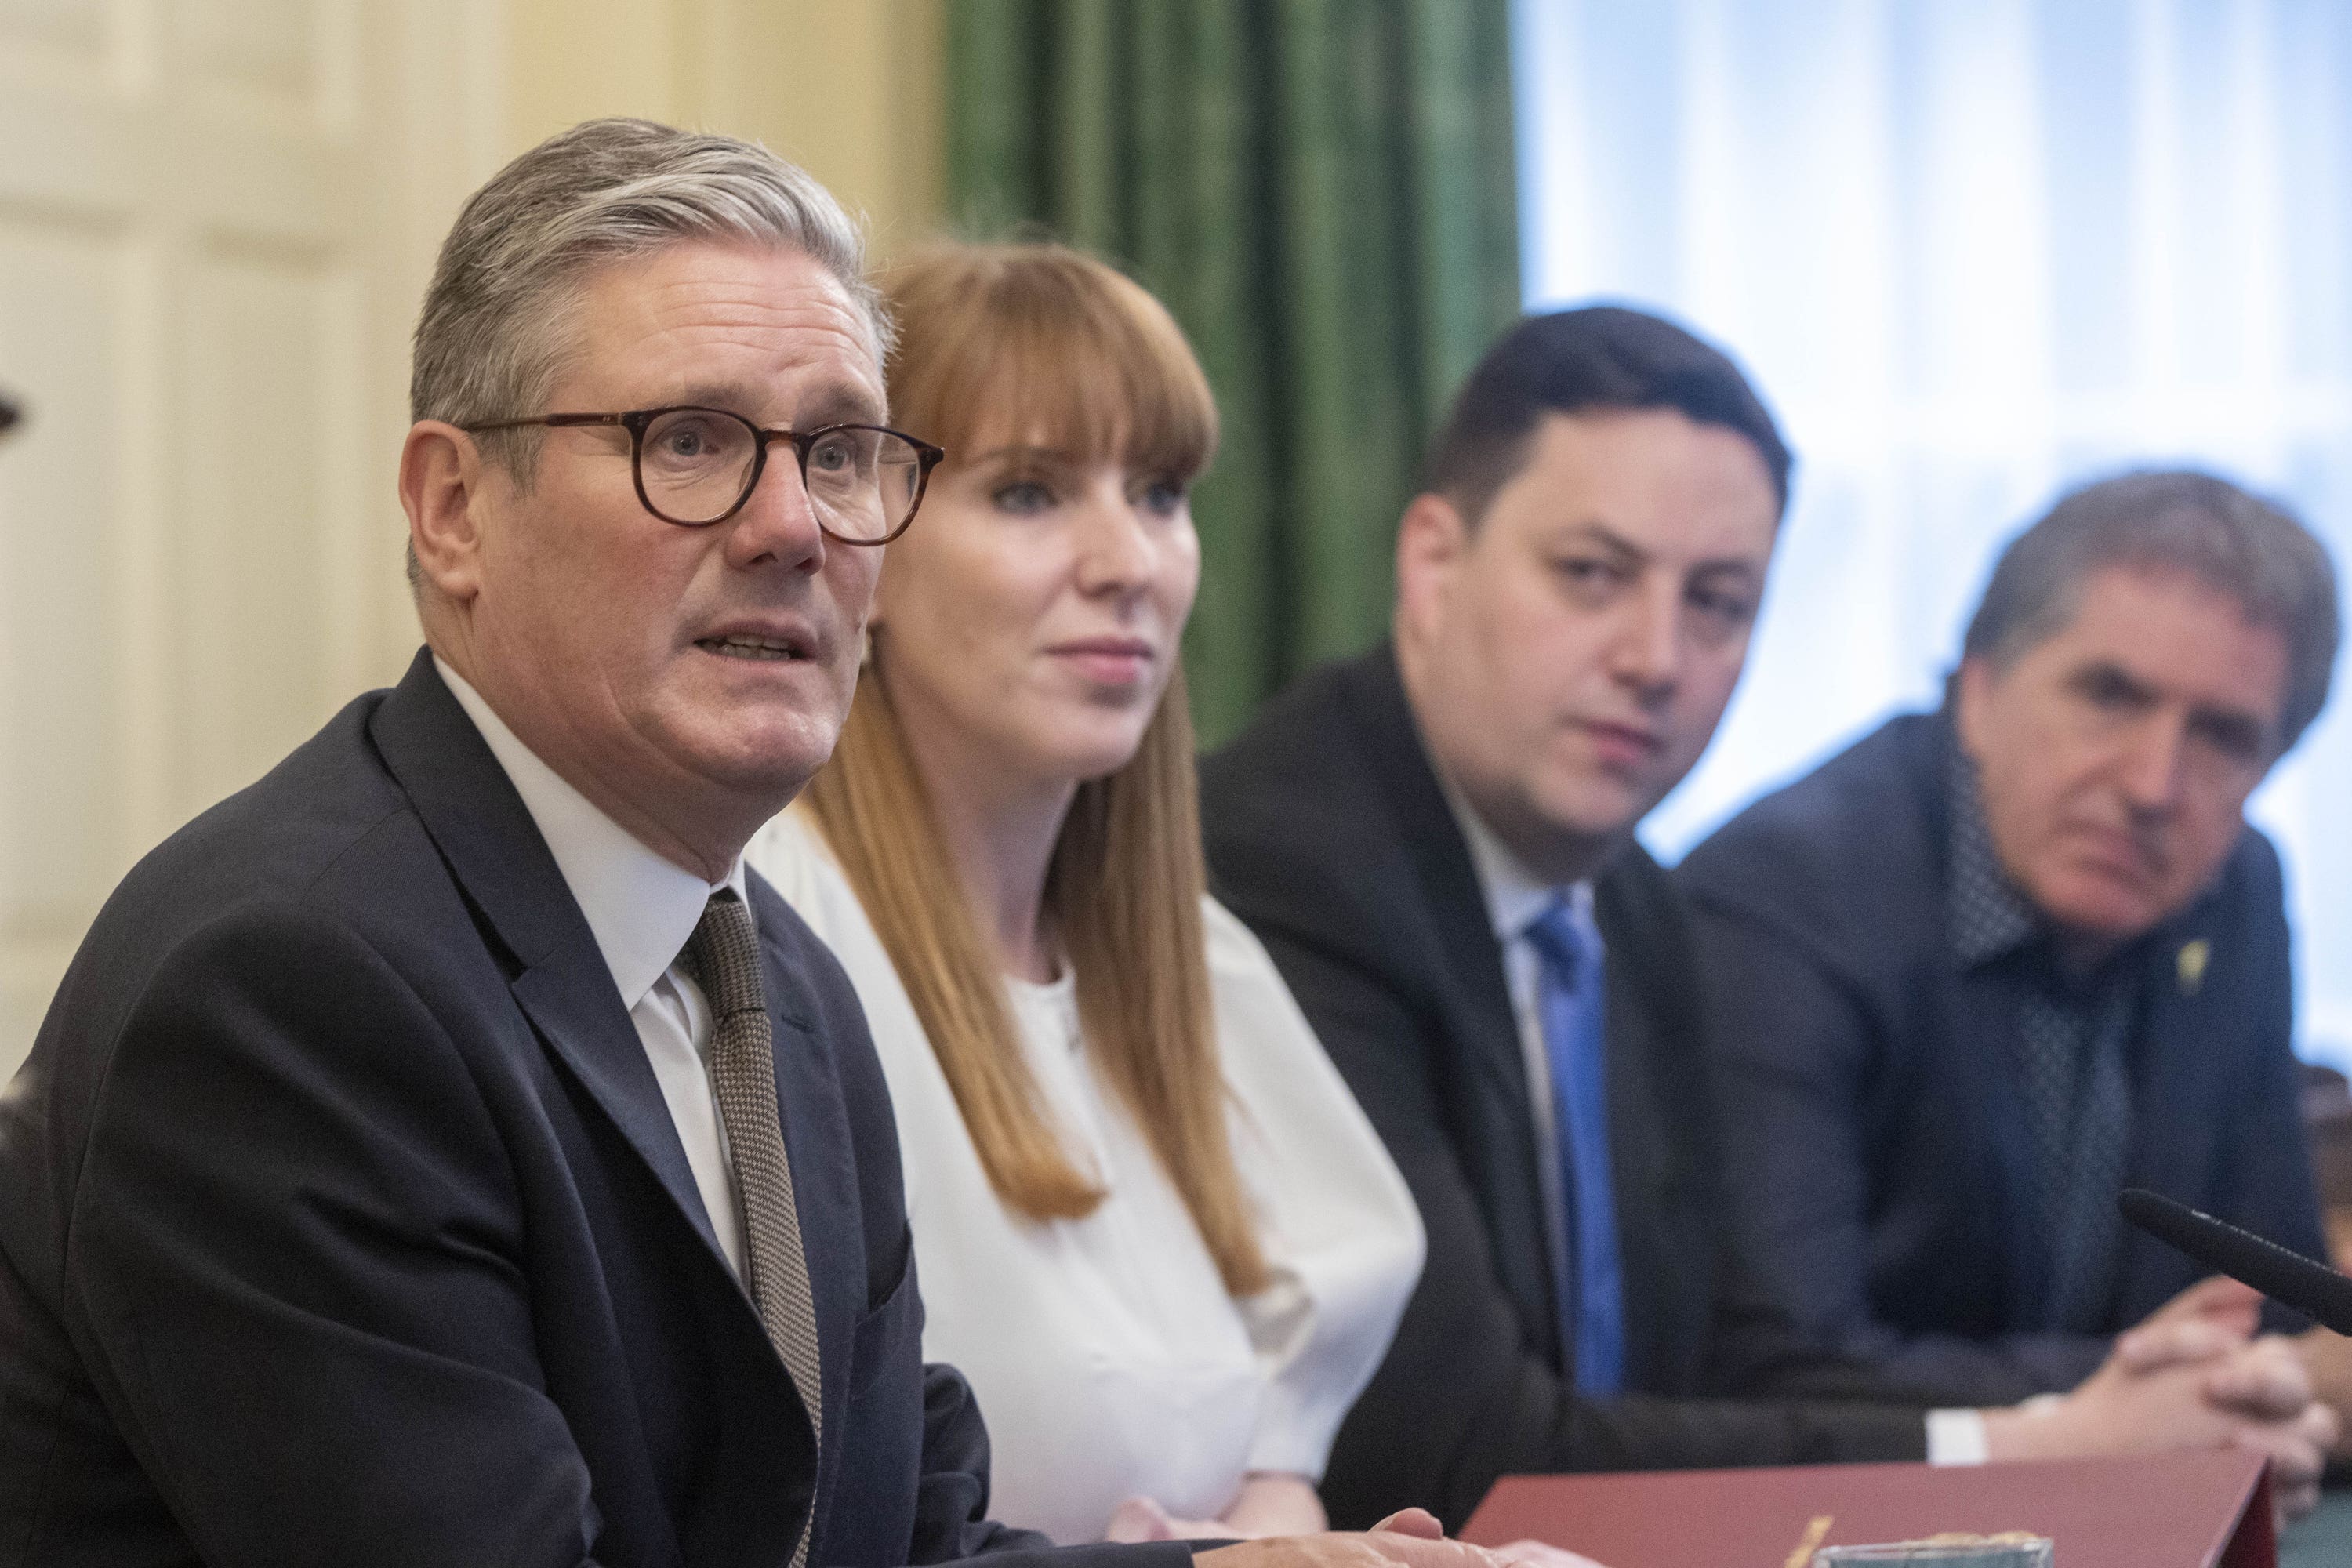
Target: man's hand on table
(2217,1299)
(2327,1358)
(1413,1538)
(2185,1379)
(1269,1504)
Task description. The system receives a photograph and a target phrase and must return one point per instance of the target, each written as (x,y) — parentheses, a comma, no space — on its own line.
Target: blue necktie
(1569,1000)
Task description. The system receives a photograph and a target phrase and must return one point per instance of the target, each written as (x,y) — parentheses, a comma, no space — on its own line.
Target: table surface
(2324,1539)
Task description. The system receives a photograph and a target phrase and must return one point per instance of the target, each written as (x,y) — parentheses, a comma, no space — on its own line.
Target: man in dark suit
(1992,963)
(1435,843)
(442,1151)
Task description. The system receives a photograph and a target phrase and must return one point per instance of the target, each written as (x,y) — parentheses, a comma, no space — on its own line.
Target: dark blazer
(342,1220)
(1876,1134)
(1328,834)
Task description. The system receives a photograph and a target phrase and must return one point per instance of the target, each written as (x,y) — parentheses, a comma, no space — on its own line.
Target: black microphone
(2287,1277)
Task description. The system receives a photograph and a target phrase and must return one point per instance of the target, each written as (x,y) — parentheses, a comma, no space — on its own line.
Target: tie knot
(1560,941)
(723,956)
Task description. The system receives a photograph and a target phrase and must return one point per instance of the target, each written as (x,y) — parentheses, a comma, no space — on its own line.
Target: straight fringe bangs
(1125,890)
(1043,344)
(1034,343)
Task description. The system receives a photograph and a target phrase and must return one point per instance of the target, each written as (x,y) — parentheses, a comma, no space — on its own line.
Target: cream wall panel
(269,476)
(577,60)
(848,89)
(275,56)
(62,326)
(71,30)
(217,217)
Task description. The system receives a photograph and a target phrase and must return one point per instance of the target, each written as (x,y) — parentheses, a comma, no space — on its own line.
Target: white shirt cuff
(1956,1438)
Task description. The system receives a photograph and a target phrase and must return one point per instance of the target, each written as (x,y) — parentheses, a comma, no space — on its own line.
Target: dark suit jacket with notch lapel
(1877,1137)
(1328,834)
(342,1220)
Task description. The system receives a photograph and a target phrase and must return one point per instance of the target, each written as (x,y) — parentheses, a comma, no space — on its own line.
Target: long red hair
(1047,338)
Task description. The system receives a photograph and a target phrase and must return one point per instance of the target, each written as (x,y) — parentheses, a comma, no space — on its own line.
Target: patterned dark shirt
(2072,1036)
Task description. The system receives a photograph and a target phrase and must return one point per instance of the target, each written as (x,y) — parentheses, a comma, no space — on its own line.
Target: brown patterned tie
(723,956)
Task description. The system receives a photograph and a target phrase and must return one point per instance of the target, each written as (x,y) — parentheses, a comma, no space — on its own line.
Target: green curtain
(1323,191)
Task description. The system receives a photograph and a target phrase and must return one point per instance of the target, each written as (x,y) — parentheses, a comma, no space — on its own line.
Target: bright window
(1972,251)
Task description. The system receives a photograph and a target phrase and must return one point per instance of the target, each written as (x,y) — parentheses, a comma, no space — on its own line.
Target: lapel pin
(2194,957)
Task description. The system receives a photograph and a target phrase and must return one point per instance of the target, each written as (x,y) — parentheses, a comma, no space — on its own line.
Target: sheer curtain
(1972,250)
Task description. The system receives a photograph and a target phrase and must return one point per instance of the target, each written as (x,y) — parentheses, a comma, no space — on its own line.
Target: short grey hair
(496,325)
(2240,545)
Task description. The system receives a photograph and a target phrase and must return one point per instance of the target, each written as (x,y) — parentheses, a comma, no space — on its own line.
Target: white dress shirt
(1104,1351)
(641,909)
(1514,899)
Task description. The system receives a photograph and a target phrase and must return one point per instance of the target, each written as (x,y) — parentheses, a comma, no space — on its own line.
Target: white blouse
(1105,1355)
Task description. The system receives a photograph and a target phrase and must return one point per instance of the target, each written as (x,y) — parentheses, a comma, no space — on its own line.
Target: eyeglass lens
(696,465)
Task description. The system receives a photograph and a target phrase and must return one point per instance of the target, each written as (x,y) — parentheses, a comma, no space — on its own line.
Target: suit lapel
(1659,1087)
(1640,1155)
(1983,1028)
(2177,1037)
(496,853)
(1448,886)
(572,1003)
(1501,1152)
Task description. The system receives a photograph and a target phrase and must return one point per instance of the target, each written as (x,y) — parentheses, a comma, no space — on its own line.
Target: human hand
(2269,1386)
(1274,1502)
(1268,1504)
(2216,1299)
(2181,1339)
(1529,1553)
(2186,1383)
(1141,1519)
(2328,1360)
(1411,1539)
(1417,1521)
(1541,1554)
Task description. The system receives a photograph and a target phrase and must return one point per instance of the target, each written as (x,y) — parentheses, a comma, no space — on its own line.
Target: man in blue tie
(1574,1013)
(1435,843)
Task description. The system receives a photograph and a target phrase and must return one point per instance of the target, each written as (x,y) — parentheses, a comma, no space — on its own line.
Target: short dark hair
(1577,362)
(2180,520)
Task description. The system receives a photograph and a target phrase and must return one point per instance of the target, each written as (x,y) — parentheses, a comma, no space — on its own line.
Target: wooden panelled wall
(217,217)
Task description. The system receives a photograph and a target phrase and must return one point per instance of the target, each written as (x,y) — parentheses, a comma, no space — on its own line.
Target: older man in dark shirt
(2071,1030)
(1992,965)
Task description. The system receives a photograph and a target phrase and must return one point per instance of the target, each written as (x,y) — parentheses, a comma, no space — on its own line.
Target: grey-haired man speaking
(442,1151)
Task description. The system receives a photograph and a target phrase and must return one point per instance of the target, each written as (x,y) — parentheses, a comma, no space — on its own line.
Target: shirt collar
(641,907)
(1988,917)
(1515,899)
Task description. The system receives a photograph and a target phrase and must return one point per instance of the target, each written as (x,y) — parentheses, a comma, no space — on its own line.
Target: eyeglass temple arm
(559,420)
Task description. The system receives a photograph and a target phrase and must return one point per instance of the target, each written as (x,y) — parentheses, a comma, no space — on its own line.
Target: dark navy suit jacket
(1875,1128)
(1328,834)
(342,1220)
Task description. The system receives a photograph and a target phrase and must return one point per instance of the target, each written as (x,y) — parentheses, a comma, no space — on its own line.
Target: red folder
(2208,1510)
